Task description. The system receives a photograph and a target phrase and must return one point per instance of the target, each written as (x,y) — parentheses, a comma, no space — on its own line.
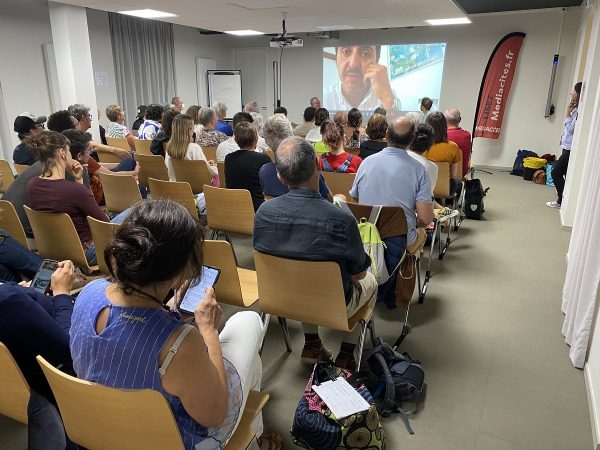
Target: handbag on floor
(473,203)
(316,428)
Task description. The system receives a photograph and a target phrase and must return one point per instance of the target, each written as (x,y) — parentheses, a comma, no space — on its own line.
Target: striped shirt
(125,355)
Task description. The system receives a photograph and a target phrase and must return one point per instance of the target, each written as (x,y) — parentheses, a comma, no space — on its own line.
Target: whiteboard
(225,86)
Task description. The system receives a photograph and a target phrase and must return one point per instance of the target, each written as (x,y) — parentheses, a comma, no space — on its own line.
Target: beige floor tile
(486,442)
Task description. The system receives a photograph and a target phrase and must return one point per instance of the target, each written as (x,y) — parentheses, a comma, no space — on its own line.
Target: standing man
(460,137)
(26,123)
(426,105)
(559,169)
(315,102)
(177,104)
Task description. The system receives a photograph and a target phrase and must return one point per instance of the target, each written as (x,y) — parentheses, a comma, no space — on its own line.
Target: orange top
(444,152)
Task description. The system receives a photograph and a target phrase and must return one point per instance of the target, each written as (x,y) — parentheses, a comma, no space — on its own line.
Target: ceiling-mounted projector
(286,41)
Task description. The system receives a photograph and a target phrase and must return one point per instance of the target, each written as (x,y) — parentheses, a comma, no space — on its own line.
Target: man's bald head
(295,160)
(401,133)
(452,117)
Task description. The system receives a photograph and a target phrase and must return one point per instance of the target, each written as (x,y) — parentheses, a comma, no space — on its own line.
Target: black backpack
(518,168)
(473,204)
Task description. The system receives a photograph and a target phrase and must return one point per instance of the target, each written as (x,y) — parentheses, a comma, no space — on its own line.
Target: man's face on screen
(352,63)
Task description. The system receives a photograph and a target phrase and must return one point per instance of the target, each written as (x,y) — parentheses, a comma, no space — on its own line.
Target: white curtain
(144,58)
(202,66)
(583,270)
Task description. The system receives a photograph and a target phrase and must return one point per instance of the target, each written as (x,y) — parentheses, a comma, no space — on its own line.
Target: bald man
(392,178)
(460,137)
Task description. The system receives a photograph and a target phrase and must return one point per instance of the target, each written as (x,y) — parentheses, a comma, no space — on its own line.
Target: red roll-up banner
(495,86)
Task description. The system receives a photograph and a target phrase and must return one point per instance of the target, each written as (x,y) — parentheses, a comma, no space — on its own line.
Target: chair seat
(249,286)
(244,435)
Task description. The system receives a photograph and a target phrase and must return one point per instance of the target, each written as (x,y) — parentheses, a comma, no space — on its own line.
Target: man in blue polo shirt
(303,225)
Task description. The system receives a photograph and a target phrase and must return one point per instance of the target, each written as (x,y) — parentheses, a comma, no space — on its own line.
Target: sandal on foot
(270,441)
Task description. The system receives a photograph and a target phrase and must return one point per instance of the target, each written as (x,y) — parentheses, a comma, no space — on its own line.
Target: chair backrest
(56,237)
(352,151)
(193,172)
(14,388)
(178,191)
(442,186)
(118,142)
(210,153)
(308,291)
(102,233)
(151,166)
(10,222)
(229,210)
(221,169)
(102,418)
(120,191)
(20,168)
(142,146)
(339,183)
(7,175)
(106,157)
(220,254)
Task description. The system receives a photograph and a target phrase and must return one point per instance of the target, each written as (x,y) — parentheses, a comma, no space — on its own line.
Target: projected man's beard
(353,81)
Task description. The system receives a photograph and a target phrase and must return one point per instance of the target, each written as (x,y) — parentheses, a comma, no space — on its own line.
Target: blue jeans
(15,259)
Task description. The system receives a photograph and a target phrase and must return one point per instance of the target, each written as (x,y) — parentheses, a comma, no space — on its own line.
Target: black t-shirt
(23,155)
(241,172)
(156,146)
(368,148)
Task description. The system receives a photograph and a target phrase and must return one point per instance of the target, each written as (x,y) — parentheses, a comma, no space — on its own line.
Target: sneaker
(312,354)
(447,214)
(553,205)
(346,361)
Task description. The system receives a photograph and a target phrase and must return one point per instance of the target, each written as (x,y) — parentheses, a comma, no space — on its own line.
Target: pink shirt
(462,138)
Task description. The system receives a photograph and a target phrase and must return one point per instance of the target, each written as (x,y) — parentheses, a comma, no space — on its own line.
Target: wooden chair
(142,146)
(15,389)
(106,157)
(7,175)
(229,211)
(210,153)
(193,172)
(236,286)
(10,222)
(20,168)
(151,166)
(308,291)
(118,142)
(178,191)
(221,169)
(103,418)
(352,151)
(339,183)
(102,233)
(120,191)
(442,192)
(56,238)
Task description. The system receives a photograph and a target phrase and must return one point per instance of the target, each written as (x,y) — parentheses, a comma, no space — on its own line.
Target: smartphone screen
(41,281)
(195,293)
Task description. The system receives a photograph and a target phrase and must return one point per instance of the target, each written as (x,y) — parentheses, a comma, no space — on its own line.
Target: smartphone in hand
(195,293)
(41,281)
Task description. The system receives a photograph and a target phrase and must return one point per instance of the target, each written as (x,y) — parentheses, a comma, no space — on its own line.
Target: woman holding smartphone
(124,335)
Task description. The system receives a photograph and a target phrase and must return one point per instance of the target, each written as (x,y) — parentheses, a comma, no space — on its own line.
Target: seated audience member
(280,230)
(230,146)
(159,143)
(205,384)
(34,324)
(151,125)
(337,159)
(82,114)
(101,128)
(139,119)
(26,123)
(80,151)
(376,130)
(258,121)
(209,136)
(426,105)
(242,166)
(392,178)
(309,122)
(460,137)
(341,118)
(443,150)
(221,126)
(50,192)
(177,104)
(379,110)
(280,110)
(251,107)
(192,111)
(277,128)
(355,134)
(60,121)
(116,128)
(315,102)
(314,135)
(414,117)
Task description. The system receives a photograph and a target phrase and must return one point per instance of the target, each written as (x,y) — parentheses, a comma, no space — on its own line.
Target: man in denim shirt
(303,225)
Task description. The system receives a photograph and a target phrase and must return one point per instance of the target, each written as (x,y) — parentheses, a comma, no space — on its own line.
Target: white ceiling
(302,15)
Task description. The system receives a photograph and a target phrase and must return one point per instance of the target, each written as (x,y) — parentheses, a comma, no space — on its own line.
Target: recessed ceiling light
(454,21)
(335,27)
(148,13)
(245,32)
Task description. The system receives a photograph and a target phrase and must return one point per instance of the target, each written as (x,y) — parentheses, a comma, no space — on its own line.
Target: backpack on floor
(549,180)
(473,204)
(518,167)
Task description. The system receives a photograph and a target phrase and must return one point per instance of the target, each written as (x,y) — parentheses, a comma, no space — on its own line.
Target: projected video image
(396,77)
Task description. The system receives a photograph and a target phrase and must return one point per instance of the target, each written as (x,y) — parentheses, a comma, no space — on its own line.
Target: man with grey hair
(315,102)
(222,126)
(460,137)
(300,225)
(177,104)
(208,136)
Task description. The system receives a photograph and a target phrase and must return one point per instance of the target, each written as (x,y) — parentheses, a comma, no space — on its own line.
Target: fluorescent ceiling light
(335,27)
(148,13)
(454,21)
(245,32)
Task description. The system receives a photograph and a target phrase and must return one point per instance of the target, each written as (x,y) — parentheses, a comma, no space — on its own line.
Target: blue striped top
(125,355)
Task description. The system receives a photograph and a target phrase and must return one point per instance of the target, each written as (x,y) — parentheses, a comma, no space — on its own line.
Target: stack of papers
(341,398)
